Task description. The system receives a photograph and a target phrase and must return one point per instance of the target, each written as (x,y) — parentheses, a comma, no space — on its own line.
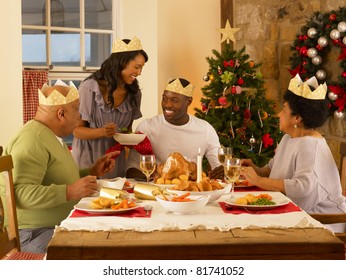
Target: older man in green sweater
(47,181)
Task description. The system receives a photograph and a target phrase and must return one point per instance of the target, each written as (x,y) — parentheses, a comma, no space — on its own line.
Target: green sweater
(43,168)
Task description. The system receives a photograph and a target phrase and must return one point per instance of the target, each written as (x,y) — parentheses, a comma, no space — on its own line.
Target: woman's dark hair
(314,113)
(111,69)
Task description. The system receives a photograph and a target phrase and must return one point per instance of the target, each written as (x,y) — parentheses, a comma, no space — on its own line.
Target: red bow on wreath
(144,148)
(267,140)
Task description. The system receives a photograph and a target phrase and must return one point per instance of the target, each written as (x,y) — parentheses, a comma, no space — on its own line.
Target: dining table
(218,231)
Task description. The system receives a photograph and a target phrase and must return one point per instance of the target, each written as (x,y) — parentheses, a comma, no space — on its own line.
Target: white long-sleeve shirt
(311,177)
(186,139)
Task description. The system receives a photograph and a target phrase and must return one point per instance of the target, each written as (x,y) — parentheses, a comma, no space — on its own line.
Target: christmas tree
(234,103)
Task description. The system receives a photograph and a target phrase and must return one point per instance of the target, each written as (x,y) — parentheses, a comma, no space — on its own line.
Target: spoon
(147,208)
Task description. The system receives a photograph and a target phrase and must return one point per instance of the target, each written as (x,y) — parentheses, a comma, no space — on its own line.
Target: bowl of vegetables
(182,204)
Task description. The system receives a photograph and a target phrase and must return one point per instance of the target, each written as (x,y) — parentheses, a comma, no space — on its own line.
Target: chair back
(9,236)
(332,219)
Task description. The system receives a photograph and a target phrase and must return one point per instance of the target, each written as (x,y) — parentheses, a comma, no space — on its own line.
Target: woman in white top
(303,167)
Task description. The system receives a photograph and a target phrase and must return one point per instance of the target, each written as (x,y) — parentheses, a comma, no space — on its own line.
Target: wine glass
(147,165)
(232,170)
(223,153)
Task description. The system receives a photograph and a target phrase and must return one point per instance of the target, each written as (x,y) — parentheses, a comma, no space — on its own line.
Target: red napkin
(248,189)
(135,213)
(144,148)
(290,207)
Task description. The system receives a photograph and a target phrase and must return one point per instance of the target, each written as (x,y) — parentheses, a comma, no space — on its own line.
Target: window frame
(72,72)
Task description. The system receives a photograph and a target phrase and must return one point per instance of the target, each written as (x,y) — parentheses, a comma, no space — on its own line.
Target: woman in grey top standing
(303,167)
(110,100)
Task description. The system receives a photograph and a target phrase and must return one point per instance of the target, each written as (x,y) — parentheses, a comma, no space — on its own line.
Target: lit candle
(199,166)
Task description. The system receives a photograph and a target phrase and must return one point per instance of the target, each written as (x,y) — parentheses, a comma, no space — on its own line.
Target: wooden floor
(286,244)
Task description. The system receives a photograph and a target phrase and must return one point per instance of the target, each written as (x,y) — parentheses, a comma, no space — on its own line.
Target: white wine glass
(232,170)
(147,165)
(223,153)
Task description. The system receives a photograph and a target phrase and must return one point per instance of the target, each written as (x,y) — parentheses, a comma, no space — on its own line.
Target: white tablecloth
(210,217)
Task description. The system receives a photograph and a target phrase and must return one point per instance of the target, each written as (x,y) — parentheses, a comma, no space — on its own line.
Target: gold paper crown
(177,87)
(300,88)
(55,97)
(120,46)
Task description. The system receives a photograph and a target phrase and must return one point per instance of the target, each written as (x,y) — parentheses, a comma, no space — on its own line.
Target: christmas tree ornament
(335,34)
(342,26)
(303,51)
(332,96)
(238,89)
(339,115)
(322,41)
(236,108)
(237,64)
(251,64)
(234,91)
(228,33)
(211,77)
(332,17)
(222,100)
(231,129)
(343,74)
(264,115)
(204,107)
(240,81)
(317,60)
(206,78)
(260,118)
(219,71)
(344,40)
(312,32)
(227,77)
(321,74)
(252,140)
(229,63)
(312,52)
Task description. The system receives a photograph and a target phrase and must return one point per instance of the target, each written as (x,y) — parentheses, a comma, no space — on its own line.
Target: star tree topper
(228,33)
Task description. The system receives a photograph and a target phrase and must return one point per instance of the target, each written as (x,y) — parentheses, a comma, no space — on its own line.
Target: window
(70,37)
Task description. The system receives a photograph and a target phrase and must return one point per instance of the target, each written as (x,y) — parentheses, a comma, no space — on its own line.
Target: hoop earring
(295,126)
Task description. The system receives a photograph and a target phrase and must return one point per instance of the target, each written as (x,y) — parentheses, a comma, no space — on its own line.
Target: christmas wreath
(321,33)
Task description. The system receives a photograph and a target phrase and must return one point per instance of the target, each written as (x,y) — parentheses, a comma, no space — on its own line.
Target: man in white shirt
(177,131)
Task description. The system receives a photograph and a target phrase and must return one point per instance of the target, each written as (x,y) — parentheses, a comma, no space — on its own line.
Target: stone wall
(268,29)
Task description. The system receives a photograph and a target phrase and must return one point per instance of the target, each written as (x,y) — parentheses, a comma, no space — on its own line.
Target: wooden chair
(332,219)
(1,149)
(343,166)
(9,237)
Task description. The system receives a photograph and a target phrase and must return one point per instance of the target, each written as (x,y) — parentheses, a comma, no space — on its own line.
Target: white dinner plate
(84,205)
(277,197)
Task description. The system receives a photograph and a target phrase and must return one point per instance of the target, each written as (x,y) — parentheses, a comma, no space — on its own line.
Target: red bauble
(297,48)
(300,38)
(236,108)
(305,37)
(304,51)
(204,107)
(222,101)
(240,81)
(234,91)
(343,74)
(318,47)
(332,17)
(305,62)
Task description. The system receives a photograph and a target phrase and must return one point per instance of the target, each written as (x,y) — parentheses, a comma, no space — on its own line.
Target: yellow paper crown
(120,46)
(177,87)
(55,97)
(300,88)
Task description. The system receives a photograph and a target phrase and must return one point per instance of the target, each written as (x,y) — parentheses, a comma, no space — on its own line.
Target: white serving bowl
(213,195)
(183,207)
(129,138)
